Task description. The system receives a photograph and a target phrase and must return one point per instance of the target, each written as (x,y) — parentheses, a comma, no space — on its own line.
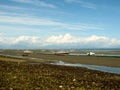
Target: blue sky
(59,23)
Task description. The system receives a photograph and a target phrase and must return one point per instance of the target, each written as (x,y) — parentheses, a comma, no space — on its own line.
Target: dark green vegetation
(29,76)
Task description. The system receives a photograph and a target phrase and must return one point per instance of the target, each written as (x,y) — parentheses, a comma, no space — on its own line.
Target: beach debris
(72,87)
(61,53)
(74,80)
(27,53)
(11,88)
(60,86)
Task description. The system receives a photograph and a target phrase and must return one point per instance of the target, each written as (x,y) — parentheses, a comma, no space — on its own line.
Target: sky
(56,24)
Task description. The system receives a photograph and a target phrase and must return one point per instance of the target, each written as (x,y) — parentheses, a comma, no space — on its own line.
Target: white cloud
(36,2)
(20,42)
(67,38)
(11,7)
(83,3)
(81,26)
(5,40)
(72,0)
(92,41)
(27,20)
(61,40)
(88,5)
(97,38)
(28,39)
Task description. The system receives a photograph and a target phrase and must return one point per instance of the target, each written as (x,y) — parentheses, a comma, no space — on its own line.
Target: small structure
(90,53)
(61,53)
(27,53)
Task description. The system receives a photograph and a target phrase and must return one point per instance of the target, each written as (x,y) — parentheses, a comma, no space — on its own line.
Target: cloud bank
(61,41)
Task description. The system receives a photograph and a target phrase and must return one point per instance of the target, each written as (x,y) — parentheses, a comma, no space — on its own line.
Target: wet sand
(92,60)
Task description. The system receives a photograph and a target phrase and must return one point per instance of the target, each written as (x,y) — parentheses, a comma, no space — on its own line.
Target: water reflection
(94,67)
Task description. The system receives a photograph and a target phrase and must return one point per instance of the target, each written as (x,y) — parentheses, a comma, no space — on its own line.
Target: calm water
(94,67)
(110,55)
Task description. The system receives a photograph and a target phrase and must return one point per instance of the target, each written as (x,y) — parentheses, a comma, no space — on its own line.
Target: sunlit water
(94,67)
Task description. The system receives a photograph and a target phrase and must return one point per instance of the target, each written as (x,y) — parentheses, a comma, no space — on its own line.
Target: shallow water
(93,67)
(110,55)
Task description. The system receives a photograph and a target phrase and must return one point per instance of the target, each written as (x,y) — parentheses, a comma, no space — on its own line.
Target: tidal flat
(45,55)
(17,74)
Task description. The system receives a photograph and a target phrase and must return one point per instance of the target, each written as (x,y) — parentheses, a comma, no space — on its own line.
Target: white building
(90,53)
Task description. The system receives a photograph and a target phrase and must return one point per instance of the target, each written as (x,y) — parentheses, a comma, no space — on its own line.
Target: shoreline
(90,60)
(108,69)
(45,55)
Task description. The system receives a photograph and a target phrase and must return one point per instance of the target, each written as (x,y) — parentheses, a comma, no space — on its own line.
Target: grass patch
(8,59)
